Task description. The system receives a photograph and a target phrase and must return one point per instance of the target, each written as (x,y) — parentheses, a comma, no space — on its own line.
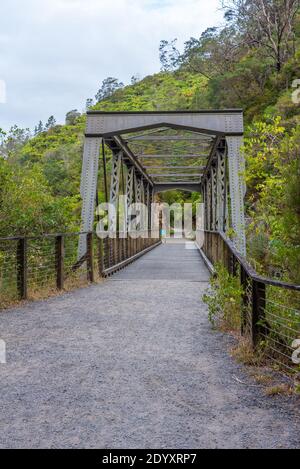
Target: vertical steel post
(221,191)
(204,195)
(88,189)
(209,204)
(129,194)
(114,190)
(236,164)
(213,178)
(138,200)
(104,171)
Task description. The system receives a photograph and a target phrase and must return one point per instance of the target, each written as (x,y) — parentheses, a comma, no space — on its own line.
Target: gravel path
(132,363)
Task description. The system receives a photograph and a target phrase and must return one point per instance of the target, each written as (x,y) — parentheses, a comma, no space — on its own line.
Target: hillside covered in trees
(251,62)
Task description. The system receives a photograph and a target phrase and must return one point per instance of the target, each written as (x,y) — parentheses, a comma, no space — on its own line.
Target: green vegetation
(224,300)
(273,179)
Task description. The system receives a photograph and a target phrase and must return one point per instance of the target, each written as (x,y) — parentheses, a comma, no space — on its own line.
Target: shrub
(224,299)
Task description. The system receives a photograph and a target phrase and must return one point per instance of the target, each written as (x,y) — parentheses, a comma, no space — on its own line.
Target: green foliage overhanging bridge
(153,152)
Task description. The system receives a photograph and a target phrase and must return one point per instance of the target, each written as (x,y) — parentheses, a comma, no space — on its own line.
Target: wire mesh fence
(41,266)
(270,309)
(75,271)
(280,326)
(36,267)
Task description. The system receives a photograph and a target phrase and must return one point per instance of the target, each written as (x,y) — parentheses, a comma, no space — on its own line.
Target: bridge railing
(38,266)
(120,251)
(270,309)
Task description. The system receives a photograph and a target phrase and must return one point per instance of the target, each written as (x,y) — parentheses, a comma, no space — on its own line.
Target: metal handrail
(250,270)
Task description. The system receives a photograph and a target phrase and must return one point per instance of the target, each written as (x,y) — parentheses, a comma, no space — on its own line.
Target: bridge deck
(132,362)
(176,260)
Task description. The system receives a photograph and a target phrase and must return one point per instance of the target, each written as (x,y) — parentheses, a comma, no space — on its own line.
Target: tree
(169,55)
(89,104)
(50,123)
(72,116)
(109,86)
(27,204)
(135,79)
(39,128)
(13,141)
(214,53)
(265,24)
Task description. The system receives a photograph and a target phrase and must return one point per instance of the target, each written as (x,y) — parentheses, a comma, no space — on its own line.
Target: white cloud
(55,53)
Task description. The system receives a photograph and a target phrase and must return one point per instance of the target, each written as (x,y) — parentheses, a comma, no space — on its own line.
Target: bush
(224,300)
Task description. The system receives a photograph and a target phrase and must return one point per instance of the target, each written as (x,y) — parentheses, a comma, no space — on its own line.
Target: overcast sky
(54,54)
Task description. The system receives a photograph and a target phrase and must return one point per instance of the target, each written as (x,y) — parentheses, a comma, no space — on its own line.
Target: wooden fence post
(90,258)
(59,248)
(131,246)
(116,249)
(243,281)
(22,269)
(124,255)
(101,248)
